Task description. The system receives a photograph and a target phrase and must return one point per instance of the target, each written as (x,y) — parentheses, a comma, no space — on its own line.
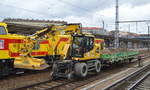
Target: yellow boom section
(26,61)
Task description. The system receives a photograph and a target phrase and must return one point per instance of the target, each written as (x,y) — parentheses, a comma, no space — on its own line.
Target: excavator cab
(78,46)
(81,45)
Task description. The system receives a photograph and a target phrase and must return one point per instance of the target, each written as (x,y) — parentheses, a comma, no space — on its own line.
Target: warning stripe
(8,41)
(14,54)
(44,42)
(61,40)
(11,41)
(33,54)
(98,41)
(39,53)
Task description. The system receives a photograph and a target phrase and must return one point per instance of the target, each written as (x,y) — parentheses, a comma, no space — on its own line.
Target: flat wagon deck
(119,56)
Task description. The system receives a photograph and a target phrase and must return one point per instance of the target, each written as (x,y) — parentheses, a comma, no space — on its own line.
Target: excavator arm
(26,61)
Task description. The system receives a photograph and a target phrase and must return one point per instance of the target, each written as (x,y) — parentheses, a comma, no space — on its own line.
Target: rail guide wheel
(52,74)
(81,69)
(70,76)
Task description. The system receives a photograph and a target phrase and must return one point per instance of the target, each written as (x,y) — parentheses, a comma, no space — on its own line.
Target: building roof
(123,33)
(28,26)
(31,20)
(134,34)
(92,28)
(144,34)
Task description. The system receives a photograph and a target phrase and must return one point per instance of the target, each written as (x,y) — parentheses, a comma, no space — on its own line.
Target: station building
(95,30)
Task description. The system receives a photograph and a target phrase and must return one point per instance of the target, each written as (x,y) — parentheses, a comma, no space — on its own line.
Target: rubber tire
(97,66)
(79,69)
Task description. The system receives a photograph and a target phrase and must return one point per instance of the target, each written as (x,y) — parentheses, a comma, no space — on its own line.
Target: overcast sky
(87,12)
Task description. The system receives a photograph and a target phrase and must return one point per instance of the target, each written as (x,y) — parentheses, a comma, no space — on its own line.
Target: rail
(126,78)
(139,81)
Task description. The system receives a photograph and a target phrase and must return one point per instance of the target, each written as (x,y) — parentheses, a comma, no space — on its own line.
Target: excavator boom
(25,60)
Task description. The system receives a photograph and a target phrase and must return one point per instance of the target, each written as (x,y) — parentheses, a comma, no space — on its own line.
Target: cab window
(81,45)
(89,44)
(2,31)
(77,46)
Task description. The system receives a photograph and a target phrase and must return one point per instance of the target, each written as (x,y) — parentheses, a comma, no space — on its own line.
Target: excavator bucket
(27,62)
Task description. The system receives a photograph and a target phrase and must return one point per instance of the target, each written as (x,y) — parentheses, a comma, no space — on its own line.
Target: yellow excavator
(80,55)
(76,53)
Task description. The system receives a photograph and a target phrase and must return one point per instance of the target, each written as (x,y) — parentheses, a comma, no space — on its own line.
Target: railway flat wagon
(119,57)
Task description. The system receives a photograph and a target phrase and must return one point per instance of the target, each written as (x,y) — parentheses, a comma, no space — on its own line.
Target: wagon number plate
(1,44)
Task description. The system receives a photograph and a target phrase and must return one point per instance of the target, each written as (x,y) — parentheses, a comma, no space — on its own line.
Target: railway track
(69,85)
(45,85)
(142,84)
(27,78)
(114,81)
(131,81)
